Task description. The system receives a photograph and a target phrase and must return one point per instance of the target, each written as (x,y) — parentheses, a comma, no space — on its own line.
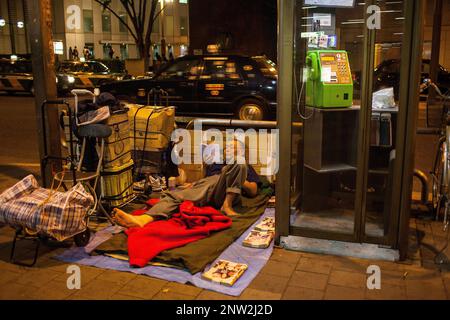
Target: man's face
(234,151)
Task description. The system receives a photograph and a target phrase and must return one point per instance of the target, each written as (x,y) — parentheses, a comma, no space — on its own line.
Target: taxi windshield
(91,67)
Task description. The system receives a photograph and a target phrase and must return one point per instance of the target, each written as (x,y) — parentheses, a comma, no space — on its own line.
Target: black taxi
(16,76)
(84,75)
(210,86)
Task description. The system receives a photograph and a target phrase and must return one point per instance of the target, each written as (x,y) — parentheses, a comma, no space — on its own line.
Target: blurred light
(20,24)
(13,57)
(2,22)
(70,79)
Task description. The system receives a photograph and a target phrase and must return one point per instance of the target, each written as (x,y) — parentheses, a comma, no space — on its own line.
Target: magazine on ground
(268,224)
(259,239)
(225,272)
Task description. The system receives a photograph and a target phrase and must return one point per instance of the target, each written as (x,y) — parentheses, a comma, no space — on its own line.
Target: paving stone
(7,276)
(425,287)
(309,280)
(387,292)
(393,278)
(171,295)
(118,277)
(347,279)
(278,268)
(122,297)
(313,265)
(269,283)
(349,264)
(15,291)
(343,293)
(287,256)
(299,293)
(254,294)
(211,295)
(54,290)
(184,289)
(37,277)
(388,265)
(98,290)
(143,287)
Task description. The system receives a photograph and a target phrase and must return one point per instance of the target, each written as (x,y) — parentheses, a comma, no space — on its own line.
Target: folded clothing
(190,224)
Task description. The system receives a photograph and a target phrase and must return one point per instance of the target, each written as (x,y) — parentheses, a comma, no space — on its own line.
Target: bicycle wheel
(438,178)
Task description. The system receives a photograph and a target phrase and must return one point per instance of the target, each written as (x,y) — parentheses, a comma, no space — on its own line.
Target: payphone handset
(329,83)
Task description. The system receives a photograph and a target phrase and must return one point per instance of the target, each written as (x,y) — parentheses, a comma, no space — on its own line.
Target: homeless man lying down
(222,189)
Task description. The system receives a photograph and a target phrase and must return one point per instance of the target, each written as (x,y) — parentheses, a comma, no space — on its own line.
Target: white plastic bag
(383,99)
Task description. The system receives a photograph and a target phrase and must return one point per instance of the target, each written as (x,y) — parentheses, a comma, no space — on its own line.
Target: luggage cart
(160,102)
(23,233)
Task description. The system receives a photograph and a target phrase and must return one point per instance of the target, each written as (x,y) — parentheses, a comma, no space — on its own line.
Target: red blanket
(190,224)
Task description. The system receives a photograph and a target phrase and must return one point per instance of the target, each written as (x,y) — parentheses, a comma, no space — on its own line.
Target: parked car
(210,85)
(16,76)
(84,75)
(387,74)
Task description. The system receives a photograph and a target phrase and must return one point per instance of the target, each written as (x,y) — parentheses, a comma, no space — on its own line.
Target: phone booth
(348,133)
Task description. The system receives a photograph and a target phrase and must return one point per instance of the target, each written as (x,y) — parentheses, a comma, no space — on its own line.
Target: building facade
(84,23)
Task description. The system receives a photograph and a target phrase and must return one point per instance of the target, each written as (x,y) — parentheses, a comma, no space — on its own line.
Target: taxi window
(184,69)
(99,68)
(266,66)
(220,69)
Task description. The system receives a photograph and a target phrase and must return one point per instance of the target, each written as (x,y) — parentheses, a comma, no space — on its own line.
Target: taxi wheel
(251,109)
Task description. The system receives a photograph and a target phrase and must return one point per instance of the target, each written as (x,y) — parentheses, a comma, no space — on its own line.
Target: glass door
(329,55)
(379,224)
(344,134)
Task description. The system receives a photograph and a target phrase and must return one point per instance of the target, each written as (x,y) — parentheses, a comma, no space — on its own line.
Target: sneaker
(155,183)
(163,183)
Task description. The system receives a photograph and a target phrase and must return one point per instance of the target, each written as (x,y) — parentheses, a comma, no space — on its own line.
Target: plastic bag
(383,99)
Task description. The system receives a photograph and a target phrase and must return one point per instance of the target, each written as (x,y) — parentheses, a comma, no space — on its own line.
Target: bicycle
(441,169)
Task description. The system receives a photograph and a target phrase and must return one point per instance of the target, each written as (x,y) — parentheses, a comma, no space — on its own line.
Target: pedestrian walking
(75,53)
(70,53)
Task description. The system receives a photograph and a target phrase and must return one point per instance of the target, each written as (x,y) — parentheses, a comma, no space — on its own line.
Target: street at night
(243,151)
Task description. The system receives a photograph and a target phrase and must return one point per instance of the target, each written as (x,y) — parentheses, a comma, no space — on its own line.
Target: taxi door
(220,83)
(179,80)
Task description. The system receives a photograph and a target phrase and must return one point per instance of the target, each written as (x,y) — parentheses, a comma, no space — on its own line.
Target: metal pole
(41,44)
(12,17)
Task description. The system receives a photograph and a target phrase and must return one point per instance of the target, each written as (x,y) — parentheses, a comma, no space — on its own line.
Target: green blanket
(195,256)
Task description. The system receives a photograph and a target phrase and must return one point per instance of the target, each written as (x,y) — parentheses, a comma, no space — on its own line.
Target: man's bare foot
(128,221)
(229,211)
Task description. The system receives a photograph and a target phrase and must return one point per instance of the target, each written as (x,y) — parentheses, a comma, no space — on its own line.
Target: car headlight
(70,79)
(119,78)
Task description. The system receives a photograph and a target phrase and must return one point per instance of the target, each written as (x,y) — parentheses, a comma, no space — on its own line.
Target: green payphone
(329,83)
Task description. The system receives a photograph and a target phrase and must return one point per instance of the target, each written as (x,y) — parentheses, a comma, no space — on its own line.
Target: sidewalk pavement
(288,275)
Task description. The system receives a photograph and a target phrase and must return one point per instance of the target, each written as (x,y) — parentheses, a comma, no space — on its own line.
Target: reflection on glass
(386,85)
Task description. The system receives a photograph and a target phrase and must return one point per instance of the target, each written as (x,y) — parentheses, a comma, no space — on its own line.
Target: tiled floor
(288,275)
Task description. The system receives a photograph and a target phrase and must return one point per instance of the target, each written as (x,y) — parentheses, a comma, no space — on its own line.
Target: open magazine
(225,272)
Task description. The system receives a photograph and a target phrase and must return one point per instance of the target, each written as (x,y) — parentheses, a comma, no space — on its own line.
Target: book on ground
(258,239)
(225,272)
(268,224)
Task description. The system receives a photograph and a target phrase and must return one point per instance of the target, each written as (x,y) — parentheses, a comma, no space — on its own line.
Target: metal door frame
(407,123)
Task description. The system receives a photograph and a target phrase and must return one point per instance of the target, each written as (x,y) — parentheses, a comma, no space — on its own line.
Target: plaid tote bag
(60,215)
